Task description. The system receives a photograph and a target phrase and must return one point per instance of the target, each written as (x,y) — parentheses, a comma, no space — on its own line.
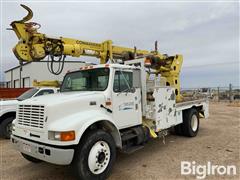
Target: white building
(31,71)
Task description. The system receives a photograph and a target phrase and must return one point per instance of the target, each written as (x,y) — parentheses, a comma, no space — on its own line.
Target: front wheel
(95,156)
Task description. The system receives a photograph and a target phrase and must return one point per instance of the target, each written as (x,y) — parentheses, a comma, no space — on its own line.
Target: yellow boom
(35,46)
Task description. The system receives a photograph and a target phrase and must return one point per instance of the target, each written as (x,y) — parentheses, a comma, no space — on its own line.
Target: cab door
(126,100)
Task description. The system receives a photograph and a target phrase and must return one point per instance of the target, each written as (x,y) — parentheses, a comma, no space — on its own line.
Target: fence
(230,93)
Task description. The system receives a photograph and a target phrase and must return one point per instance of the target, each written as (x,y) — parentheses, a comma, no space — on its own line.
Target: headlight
(61,136)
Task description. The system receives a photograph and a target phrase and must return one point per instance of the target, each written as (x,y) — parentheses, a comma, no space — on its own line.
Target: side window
(122,81)
(44,92)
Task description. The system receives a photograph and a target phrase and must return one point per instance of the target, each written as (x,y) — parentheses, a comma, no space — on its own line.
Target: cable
(212,64)
(60,61)
(52,60)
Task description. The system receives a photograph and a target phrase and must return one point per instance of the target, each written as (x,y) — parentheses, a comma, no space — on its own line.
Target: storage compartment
(162,109)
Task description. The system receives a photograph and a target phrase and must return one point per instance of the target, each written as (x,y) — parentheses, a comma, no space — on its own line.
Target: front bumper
(46,153)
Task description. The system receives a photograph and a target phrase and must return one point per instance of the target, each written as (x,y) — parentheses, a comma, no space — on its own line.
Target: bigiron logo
(209,169)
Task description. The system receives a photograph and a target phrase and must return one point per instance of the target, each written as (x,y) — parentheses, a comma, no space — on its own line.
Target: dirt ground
(217,142)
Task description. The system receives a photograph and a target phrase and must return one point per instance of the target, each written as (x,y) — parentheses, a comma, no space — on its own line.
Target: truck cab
(99,109)
(94,93)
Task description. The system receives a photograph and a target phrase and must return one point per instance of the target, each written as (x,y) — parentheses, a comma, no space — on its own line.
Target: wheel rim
(99,157)
(194,122)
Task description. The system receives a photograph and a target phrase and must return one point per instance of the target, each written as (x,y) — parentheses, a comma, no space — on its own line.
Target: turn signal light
(61,136)
(67,136)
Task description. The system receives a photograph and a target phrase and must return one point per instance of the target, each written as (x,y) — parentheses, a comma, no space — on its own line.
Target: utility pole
(230,92)
(218,94)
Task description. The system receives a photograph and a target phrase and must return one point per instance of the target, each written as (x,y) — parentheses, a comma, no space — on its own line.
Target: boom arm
(35,46)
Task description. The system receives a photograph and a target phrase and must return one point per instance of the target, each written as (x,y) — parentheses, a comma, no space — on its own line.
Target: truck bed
(189,103)
(186,102)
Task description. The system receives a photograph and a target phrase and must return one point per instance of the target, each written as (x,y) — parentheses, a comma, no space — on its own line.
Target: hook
(27,17)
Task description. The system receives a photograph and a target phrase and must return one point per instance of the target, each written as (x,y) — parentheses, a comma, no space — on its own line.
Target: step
(126,137)
(132,149)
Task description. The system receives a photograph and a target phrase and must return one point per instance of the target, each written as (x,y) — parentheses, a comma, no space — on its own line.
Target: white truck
(100,109)
(8,108)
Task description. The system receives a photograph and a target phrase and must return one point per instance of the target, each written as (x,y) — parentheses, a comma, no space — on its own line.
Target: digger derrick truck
(100,108)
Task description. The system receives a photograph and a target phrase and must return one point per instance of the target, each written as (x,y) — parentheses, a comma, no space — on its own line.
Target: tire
(190,124)
(6,127)
(178,129)
(30,158)
(95,155)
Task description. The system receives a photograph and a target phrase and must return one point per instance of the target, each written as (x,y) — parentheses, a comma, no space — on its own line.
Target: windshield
(29,93)
(86,80)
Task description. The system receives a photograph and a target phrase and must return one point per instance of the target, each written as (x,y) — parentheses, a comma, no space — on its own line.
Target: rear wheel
(178,129)
(190,124)
(95,155)
(30,158)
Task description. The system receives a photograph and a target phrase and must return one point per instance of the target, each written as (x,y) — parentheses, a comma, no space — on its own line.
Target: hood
(9,102)
(60,98)
(61,105)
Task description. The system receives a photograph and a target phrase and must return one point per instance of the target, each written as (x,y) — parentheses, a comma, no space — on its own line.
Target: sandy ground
(217,141)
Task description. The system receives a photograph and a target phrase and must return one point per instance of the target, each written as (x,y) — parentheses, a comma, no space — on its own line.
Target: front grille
(31,115)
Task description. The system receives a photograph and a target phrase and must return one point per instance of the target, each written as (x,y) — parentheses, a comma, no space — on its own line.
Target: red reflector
(108,103)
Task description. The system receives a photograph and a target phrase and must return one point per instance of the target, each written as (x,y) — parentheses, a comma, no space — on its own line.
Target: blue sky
(206,33)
